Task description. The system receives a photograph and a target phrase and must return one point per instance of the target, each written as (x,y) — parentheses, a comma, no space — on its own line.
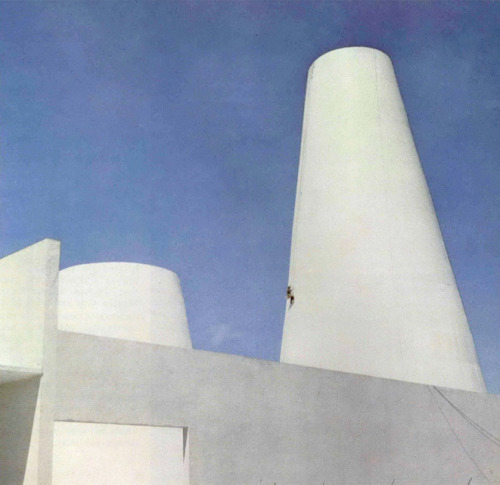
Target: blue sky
(168,133)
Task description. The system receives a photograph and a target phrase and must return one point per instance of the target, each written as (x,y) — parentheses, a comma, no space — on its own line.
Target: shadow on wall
(17,410)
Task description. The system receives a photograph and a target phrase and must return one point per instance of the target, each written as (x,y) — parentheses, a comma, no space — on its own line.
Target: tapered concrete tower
(373,289)
(129,301)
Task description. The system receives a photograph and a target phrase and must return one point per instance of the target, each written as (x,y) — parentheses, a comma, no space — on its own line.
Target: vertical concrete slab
(28,331)
(23,300)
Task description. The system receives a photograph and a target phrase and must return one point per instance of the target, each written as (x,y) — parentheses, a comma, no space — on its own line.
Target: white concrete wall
(104,454)
(124,300)
(374,290)
(253,422)
(28,327)
(23,305)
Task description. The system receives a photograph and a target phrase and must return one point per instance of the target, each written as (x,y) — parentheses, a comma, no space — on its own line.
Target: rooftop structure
(99,383)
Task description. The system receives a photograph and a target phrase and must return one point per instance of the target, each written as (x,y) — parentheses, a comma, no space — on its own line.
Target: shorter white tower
(124,300)
(373,290)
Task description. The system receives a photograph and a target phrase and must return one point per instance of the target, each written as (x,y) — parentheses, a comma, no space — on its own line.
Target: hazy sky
(169,133)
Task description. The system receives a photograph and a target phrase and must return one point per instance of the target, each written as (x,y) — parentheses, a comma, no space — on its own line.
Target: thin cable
(477,426)
(456,436)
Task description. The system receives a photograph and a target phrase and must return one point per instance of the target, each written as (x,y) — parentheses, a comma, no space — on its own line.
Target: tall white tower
(373,289)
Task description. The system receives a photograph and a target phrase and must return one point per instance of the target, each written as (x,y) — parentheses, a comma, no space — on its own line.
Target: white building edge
(99,383)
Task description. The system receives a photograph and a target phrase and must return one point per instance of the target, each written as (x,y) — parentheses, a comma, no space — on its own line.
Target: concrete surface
(19,432)
(374,290)
(23,283)
(28,310)
(264,423)
(124,300)
(118,454)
